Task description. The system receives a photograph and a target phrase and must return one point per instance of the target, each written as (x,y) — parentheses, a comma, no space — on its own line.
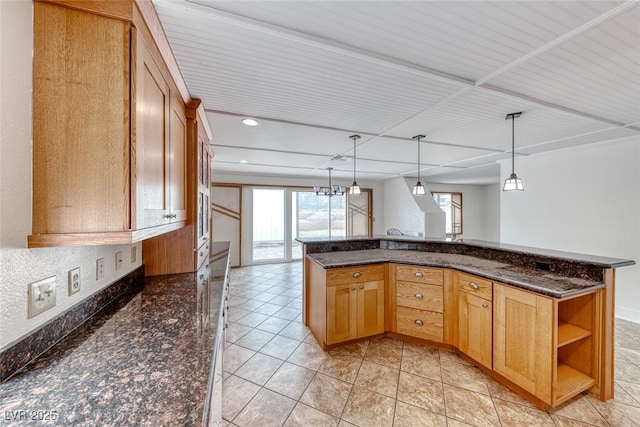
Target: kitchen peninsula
(539,321)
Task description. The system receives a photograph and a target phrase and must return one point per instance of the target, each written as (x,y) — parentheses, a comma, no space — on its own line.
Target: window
(451,204)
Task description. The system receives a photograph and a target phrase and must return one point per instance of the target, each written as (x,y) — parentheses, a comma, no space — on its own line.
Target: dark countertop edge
(605,262)
(477,272)
(219,254)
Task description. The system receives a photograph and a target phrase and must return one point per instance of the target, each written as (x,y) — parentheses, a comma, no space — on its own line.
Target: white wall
(480,209)
(583,200)
(19,266)
(413,215)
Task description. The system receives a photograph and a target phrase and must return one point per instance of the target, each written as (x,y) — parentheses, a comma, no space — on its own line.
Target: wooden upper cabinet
(109,131)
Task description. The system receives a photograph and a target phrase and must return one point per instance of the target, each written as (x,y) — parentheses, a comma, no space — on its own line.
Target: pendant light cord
(513,143)
(354,157)
(418,159)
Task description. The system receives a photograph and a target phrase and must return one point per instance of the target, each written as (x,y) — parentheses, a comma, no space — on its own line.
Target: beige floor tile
(250,304)
(343,423)
(235,356)
(273,325)
(617,414)
(464,376)
(287,313)
(420,348)
(236,313)
(263,296)
(368,408)
(392,342)
(568,422)
(237,393)
(384,355)
(268,309)
(632,389)
(308,355)
(295,330)
(632,355)
(266,409)
(511,414)
(280,347)
(419,391)
(450,356)
(290,380)
(423,364)
(281,300)
(354,350)
(327,394)
(411,416)
(579,409)
(252,319)
(451,422)
(378,378)
(627,371)
(500,391)
(623,396)
(470,407)
(255,339)
(235,331)
(259,368)
(344,368)
(306,416)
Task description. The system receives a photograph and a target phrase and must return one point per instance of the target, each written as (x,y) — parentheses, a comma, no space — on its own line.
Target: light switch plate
(42,296)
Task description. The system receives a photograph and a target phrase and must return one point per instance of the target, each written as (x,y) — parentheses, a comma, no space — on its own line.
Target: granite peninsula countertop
(539,281)
(144,360)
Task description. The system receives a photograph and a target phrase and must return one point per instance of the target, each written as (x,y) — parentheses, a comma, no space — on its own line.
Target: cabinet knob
(361,286)
(174,215)
(167,216)
(418,322)
(418,295)
(418,274)
(357,274)
(485,305)
(474,285)
(353,288)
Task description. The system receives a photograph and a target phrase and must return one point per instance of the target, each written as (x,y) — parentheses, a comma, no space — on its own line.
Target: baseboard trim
(33,345)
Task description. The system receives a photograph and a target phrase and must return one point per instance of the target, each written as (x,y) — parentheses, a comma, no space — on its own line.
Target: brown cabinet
(475,318)
(348,303)
(420,302)
(108,130)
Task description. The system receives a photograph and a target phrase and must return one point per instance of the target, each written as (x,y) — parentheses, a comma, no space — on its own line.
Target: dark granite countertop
(144,360)
(601,261)
(538,281)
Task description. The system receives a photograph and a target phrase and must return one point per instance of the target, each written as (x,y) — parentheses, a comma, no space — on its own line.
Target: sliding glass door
(268,225)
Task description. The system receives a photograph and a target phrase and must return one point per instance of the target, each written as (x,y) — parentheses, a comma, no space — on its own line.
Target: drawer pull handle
(357,274)
(418,274)
(353,288)
(485,305)
(418,295)
(418,322)
(474,285)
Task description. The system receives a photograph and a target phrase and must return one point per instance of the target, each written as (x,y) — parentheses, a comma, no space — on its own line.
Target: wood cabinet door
(523,339)
(177,161)
(475,328)
(370,308)
(342,315)
(152,148)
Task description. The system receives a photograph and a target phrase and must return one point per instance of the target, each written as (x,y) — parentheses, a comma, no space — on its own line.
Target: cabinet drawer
(420,296)
(483,288)
(433,276)
(365,273)
(421,324)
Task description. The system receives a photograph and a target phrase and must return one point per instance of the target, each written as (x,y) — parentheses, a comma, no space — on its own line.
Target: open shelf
(568,333)
(571,382)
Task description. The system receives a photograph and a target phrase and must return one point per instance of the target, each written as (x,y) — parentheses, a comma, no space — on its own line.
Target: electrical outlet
(42,296)
(100,269)
(134,254)
(118,260)
(74,280)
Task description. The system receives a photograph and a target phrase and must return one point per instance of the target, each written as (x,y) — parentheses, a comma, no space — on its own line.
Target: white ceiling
(316,72)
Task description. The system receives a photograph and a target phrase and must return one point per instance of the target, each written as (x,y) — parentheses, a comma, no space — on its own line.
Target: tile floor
(277,375)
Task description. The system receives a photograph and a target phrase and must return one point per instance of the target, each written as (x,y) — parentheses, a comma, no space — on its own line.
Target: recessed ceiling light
(250,122)
(243,161)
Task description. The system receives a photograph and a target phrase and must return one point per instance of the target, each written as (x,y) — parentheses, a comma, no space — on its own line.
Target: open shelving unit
(575,349)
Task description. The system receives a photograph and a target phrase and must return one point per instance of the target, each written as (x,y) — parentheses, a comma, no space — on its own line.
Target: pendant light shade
(419,189)
(355,188)
(513,183)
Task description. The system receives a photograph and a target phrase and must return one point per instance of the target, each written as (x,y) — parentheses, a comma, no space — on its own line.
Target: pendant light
(355,188)
(331,190)
(418,189)
(513,183)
